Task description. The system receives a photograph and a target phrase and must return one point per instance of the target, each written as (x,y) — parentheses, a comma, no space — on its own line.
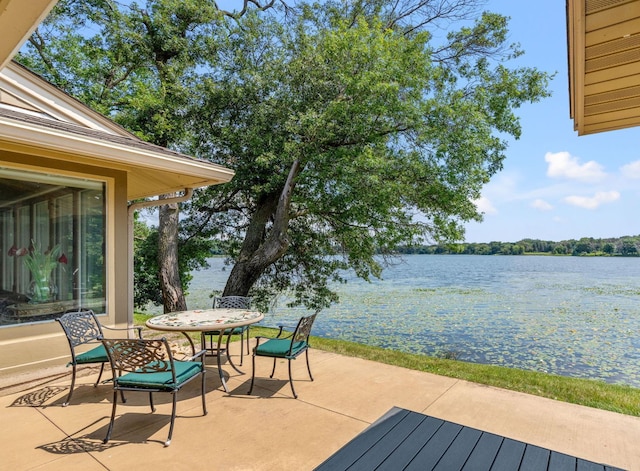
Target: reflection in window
(52,246)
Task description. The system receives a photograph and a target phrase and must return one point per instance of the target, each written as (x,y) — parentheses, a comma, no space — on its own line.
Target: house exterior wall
(31,347)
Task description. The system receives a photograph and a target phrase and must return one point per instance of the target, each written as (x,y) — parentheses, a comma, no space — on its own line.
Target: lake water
(573,316)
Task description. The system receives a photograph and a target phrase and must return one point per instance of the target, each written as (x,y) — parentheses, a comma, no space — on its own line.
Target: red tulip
(63,259)
(12,250)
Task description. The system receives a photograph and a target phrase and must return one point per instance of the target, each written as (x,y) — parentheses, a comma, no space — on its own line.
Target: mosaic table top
(205,319)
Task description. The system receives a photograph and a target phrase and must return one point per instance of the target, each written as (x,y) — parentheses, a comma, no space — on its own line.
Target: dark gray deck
(406,440)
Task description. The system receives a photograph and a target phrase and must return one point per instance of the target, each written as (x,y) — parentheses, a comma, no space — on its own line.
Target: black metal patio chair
(148,366)
(228,302)
(82,327)
(285,346)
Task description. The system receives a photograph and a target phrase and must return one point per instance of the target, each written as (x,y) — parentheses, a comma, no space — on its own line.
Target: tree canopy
(350,134)
(353,127)
(626,246)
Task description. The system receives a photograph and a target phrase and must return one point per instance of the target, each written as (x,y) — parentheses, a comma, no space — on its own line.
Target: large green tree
(352,130)
(134,62)
(353,127)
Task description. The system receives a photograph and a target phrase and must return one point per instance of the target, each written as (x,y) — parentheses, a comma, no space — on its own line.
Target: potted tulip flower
(41,264)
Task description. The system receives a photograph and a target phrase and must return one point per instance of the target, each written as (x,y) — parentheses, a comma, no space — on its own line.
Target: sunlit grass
(598,394)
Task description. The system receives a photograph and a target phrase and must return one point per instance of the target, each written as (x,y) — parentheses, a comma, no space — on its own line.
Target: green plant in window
(41,263)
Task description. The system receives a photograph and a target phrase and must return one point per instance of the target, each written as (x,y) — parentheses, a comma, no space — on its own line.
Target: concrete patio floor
(270,430)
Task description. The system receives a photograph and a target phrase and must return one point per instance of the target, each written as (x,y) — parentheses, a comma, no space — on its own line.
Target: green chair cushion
(185,370)
(280,348)
(234,331)
(95,355)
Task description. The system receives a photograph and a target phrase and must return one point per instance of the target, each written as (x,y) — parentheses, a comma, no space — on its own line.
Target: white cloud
(564,165)
(541,204)
(484,206)
(631,170)
(594,201)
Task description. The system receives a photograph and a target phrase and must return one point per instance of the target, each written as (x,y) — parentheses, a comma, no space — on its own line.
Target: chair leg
(253,372)
(153,407)
(99,375)
(273,371)
(203,342)
(204,402)
(173,418)
(73,382)
(241,347)
(291,382)
(308,367)
(113,416)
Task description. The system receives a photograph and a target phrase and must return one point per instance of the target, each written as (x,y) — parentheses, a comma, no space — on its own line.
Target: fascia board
(54,102)
(56,141)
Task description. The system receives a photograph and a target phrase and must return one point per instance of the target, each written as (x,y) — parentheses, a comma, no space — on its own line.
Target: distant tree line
(626,246)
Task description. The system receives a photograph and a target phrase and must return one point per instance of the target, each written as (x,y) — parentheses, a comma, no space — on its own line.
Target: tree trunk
(172,294)
(259,249)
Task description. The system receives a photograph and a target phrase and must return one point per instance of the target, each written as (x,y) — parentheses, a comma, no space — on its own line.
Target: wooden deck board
(403,455)
(405,440)
(484,454)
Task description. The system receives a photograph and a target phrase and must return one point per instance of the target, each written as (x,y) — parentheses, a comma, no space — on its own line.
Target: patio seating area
(270,430)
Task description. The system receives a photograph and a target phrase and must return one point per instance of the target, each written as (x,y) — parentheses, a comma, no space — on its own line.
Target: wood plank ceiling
(603,39)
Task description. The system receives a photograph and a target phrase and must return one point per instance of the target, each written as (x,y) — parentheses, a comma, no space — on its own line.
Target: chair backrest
(139,355)
(303,329)
(232,302)
(80,327)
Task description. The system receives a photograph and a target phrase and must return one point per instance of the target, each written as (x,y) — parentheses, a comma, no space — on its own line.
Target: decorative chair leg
(295,396)
(99,375)
(308,367)
(173,418)
(253,373)
(153,407)
(73,382)
(204,402)
(113,416)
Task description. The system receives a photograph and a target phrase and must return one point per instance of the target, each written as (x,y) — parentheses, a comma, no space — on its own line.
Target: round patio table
(206,320)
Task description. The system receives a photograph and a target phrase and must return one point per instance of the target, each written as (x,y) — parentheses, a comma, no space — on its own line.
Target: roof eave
(184,172)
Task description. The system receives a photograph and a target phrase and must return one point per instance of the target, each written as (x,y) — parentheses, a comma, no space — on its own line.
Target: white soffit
(18,19)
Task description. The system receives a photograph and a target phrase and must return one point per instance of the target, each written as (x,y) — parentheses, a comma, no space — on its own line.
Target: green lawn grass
(598,394)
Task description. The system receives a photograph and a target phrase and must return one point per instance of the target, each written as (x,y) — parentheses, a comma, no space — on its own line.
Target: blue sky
(557,185)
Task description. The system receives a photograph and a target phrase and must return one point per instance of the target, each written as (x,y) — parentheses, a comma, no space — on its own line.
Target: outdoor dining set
(149,365)
(400,439)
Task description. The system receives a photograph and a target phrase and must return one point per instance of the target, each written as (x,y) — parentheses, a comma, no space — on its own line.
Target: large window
(52,243)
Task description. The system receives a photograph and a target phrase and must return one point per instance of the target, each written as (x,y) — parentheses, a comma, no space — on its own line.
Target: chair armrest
(135,327)
(200,354)
(282,330)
